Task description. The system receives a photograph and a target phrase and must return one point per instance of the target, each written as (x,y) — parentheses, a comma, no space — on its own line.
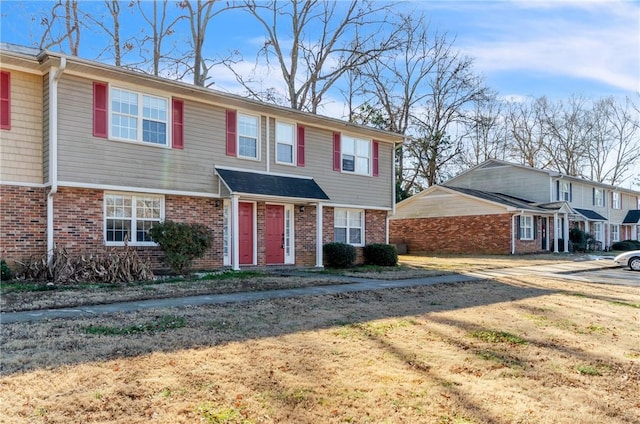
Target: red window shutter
(336,151)
(300,146)
(231,132)
(5,100)
(177,141)
(376,160)
(100,109)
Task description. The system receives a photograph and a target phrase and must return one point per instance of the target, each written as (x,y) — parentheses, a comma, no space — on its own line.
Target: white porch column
(235,231)
(555,232)
(566,233)
(586,226)
(319,223)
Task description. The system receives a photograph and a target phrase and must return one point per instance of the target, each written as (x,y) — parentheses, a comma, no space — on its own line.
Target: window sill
(140,143)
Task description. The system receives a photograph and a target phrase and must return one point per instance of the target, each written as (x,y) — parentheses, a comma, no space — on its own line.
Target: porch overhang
(590,215)
(271,186)
(633,217)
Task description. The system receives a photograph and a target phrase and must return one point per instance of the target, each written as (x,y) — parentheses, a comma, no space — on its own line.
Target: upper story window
(615,200)
(598,197)
(5,100)
(285,143)
(349,226)
(356,155)
(248,136)
(565,191)
(128,218)
(526,227)
(138,117)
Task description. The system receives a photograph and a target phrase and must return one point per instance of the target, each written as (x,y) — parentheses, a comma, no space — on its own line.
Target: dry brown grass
(439,354)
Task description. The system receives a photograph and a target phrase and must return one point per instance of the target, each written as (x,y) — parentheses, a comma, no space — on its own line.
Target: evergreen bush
(181,243)
(380,254)
(339,255)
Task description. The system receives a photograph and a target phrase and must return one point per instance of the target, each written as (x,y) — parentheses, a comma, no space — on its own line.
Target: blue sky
(553,48)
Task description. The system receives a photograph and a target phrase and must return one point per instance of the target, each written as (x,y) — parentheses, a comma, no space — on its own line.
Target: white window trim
(598,197)
(356,156)
(362,225)
(139,140)
(133,217)
(524,227)
(565,195)
(615,235)
(291,257)
(258,119)
(616,200)
(294,142)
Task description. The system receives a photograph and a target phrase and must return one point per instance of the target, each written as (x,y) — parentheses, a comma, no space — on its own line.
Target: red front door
(274,234)
(245,228)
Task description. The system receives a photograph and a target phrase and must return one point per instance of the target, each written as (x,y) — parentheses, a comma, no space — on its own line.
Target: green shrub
(339,255)
(181,243)
(5,272)
(380,254)
(626,245)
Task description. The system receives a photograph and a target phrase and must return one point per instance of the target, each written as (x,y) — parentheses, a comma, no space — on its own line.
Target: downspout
(54,77)
(513,234)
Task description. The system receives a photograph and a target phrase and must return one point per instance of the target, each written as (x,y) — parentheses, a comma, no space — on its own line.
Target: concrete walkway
(354,285)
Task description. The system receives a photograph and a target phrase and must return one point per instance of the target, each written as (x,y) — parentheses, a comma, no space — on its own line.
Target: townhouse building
(92,155)
(501,207)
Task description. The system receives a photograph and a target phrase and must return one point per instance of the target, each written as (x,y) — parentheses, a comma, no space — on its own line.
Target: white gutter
(54,77)
(513,234)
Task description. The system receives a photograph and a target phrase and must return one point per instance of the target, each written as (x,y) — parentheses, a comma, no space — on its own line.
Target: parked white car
(630,259)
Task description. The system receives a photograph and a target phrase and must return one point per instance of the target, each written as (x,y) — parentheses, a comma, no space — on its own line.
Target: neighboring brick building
(93,155)
(500,207)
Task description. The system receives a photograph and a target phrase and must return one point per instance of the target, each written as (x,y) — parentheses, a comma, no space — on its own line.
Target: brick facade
(23,223)
(79,225)
(476,234)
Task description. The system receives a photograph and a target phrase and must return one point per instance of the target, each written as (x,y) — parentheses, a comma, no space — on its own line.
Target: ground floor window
(526,227)
(129,217)
(349,226)
(597,231)
(615,232)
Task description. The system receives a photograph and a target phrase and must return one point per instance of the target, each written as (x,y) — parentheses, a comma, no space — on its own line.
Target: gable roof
(241,182)
(590,215)
(492,163)
(40,61)
(502,199)
(633,217)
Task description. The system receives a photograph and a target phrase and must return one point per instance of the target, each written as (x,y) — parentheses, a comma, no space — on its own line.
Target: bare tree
(62,15)
(486,137)
(614,145)
(569,127)
(111,27)
(453,86)
(200,15)
(314,43)
(526,133)
(161,27)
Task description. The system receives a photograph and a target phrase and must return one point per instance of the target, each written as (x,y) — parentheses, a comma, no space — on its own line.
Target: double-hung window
(356,155)
(285,142)
(615,232)
(248,136)
(128,218)
(139,117)
(598,197)
(616,204)
(349,226)
(597,231)
(526,227)
(565,191)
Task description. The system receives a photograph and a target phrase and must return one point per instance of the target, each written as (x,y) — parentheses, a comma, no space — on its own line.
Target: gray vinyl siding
(90,160)
(518,182)
(440,203)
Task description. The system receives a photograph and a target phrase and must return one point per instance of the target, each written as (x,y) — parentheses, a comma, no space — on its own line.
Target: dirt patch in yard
(523,349)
